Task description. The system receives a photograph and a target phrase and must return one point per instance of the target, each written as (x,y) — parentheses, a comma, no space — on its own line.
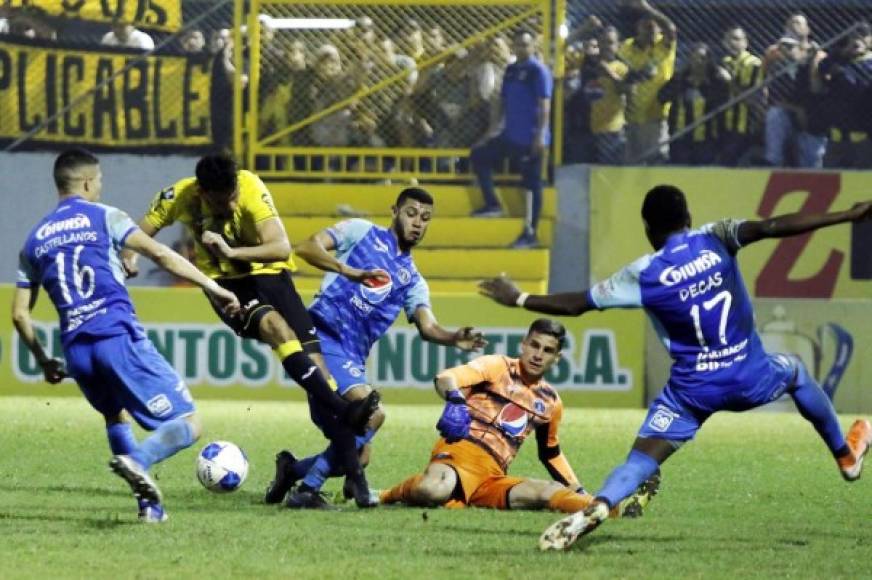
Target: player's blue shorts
(677,414)
(345,369)
(125,373)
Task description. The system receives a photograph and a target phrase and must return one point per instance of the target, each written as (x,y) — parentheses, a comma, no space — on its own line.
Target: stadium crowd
(648,98)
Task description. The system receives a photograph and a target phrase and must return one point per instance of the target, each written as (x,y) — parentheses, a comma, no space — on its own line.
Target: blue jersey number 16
(80,276)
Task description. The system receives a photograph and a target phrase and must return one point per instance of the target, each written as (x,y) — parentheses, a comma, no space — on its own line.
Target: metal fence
(796,97)
(379,88)
(391,88)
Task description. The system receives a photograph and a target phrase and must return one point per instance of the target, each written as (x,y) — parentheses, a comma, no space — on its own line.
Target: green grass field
(756,495)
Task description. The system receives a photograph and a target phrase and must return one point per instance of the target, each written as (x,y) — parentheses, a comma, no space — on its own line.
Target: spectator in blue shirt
(525,103)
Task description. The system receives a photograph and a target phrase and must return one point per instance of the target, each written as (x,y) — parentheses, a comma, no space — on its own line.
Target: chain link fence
(750,82)
(368,80)
(154,76)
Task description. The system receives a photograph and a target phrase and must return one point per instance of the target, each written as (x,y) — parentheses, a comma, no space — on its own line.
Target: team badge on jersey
(159,405)
(662,419)
(539,406)
(404,276)
(512,420)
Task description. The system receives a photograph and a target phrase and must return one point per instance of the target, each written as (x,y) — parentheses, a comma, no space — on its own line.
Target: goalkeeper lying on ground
(492,405)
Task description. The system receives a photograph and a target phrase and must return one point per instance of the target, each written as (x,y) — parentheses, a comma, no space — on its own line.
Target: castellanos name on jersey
(73,253)
(693,291)
(355,315)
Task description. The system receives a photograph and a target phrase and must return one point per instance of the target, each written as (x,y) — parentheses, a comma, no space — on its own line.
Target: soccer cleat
(358,413)
(348,490)
(151,513)
(859,439)
(137,477)
(283,481)
(563,533)
(634,506)
(488,211)
(358,488)
(308,499)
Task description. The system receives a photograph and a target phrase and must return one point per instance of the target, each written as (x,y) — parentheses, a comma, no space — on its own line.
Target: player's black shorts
(261,293)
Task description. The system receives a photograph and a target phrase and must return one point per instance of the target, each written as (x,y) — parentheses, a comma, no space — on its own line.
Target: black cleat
(348,490)
(358,488)
(283,481)
(308,499)
(358,413)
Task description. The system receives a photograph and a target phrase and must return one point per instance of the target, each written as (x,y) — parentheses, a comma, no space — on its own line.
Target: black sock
(307,374)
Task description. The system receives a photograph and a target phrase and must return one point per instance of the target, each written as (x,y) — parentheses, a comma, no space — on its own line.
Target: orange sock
(401,492)
(568,501)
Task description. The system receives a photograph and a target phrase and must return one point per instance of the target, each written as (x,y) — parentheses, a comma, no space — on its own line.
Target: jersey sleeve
(119,225)
(484,369)
(549,449)
(347,233)
(622,289)
(27,277)
(164,208)
(727,231)
(262,207)
(417,296)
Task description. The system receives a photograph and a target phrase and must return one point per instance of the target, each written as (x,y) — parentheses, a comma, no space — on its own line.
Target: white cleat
(562,534)
(141,483)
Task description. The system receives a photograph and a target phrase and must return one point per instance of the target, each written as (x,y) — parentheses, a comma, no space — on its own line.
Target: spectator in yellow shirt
(650,56)
(596,108)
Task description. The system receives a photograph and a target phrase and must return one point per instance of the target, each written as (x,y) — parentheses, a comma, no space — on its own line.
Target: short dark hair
(415,193)
(217,173)
(521,32)
(67,162)
(551,328)
(665,209)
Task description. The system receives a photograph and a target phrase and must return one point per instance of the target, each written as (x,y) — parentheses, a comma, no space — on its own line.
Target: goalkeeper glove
(454,423)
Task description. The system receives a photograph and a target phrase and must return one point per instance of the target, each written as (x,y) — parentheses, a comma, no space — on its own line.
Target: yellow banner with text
(601,365)
(156,14)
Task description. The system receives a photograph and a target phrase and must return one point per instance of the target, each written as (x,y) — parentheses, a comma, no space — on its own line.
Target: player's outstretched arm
(794,224)
(465,338)
(129,258)
(273,247)
(22,303)
(317,252)
(172,262)
(503,291)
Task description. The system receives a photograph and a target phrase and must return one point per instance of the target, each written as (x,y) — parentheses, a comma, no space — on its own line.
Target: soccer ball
(222,466)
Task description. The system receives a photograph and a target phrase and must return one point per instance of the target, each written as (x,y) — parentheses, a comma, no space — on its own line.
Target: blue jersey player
(692,289)
(371,279)
(73,253)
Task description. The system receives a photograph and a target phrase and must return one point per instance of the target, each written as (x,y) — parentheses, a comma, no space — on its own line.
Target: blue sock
(320,469)
(121,439)
(167,440)
(624,480)
(816,407)
(324,465)
(362,440)
(302,466)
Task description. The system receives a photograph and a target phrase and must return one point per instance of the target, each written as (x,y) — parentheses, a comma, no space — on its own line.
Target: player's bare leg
(429,489)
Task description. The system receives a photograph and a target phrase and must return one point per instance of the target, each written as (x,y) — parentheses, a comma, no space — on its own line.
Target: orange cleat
(859,439)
